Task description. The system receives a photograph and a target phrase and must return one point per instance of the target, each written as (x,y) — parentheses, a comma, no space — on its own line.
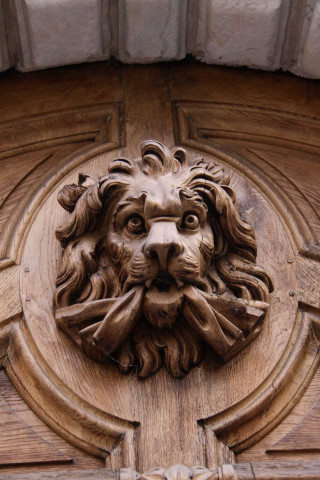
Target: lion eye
(135,225)
(190,221)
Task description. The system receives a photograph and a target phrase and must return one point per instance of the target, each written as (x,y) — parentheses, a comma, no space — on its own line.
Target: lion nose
(163,242)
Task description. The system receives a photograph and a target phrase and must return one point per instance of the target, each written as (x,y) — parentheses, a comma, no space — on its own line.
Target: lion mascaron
(157,263)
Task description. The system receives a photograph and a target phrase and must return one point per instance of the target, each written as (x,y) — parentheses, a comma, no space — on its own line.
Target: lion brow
(138,199)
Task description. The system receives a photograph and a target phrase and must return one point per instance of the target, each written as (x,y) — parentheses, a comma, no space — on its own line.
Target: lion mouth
(164,282)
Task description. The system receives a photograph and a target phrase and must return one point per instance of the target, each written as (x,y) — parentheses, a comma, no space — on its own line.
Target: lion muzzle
(163,242)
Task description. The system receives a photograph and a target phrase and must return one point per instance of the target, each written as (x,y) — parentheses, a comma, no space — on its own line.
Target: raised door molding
(103,430)
(79,126)
(220,408)
(220,129)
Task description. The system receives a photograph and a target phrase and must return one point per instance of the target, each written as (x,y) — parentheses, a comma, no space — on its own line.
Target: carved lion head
(157,263)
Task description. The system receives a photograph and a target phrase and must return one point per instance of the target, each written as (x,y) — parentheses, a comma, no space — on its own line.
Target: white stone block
(301,54)
(310,52)
(242,32)
(60,32)
(4,54)
(265,34)
(152,30)
(4,60)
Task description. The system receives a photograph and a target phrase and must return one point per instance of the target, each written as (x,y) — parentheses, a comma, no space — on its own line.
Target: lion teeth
(148,283)
(179,283)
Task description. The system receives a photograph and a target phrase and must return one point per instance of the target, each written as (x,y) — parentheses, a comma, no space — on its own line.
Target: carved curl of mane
(86,273)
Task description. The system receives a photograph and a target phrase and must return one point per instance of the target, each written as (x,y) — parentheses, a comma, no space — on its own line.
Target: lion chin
(163,301)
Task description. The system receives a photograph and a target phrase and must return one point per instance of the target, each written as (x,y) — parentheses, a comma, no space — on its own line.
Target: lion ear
(86,180)
(230,192)
(70,194)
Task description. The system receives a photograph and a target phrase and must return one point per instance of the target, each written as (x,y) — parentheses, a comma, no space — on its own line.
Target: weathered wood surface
(97,474)
(304,437)
(161,421)
(282,94)
(306,470)
(27,443)
(247,471)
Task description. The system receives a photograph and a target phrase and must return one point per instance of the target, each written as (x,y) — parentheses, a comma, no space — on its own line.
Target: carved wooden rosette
(158,261)
(112,415)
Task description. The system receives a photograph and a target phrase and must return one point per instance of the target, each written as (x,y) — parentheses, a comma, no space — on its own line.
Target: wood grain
(95,431)
(261,451)
(275,184)
(20,445)
(304,437)
(95,474)
(27,443)
(208,386)
(241,86)
(308,470)
(22,96)
(49,173)
(263,128)
(10,299)
(10,307)
(236,125)
(246,471)
(308,274)
(58,128)
(274,399)
(21,178)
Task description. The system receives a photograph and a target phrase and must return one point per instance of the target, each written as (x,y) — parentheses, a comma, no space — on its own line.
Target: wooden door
(248,412)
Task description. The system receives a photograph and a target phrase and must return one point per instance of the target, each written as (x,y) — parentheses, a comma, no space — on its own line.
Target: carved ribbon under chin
(158,263)
(220,322)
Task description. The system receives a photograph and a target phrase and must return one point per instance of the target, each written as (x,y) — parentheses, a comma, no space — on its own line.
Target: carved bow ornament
(158,263)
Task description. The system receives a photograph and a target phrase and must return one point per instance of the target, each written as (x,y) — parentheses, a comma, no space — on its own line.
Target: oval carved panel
(146,422)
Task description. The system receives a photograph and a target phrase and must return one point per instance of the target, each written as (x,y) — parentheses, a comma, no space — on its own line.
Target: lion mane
(87,273)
